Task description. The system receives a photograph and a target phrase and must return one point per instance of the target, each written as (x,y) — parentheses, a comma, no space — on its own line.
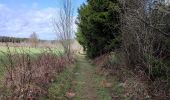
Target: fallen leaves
(106,84)
(70,95)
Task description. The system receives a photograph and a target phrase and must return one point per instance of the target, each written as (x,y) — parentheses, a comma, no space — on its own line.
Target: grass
(62,84)
(28,50)
(85,87)
(36,56)
(87,83)
(108,93)
(104,93)
(34,52)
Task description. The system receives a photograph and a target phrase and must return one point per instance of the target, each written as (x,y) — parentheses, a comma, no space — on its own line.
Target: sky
(20,18)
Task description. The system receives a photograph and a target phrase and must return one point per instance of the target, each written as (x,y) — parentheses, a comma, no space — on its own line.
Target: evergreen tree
(98,24)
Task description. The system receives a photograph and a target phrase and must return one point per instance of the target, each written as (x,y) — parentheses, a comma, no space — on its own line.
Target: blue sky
(20,18)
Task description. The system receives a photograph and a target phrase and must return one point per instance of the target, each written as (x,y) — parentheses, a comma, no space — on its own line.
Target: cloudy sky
(20,18)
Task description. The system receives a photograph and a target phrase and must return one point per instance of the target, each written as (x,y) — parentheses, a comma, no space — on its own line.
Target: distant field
(20,50)
(27,50)
(24,48)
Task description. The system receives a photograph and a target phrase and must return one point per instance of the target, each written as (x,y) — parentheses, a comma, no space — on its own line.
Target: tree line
(12,39)
(33,38)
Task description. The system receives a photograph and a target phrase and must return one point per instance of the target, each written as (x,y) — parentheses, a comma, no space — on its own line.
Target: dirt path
(85,80)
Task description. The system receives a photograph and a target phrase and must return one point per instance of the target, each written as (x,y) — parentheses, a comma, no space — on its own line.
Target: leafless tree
(141,31)
(64,25)
(34,39)
(144,30)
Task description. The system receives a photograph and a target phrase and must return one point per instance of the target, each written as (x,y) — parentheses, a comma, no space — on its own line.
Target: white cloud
(22,22)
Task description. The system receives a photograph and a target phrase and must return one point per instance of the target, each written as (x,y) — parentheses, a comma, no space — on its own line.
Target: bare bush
(28,75)
(141,32)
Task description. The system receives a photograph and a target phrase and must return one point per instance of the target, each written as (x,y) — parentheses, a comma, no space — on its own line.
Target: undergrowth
(109,88)
(129,83)
(27,75)
(62,84)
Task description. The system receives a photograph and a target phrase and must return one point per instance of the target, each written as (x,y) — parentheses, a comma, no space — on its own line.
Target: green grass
(28,50)
(89,82)
(62,84)
(34,52)
(104,93)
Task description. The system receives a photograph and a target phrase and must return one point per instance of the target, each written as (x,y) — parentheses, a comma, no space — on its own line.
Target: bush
(28,75)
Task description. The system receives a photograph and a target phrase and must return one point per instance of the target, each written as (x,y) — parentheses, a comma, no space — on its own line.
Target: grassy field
(28,50)
(23,50)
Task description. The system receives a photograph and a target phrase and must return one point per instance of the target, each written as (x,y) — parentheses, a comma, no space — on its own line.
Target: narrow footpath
(85,84)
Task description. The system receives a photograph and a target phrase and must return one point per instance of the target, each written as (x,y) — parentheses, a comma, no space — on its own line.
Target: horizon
(20,18)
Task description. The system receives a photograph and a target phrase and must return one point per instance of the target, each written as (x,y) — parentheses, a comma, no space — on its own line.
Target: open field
(24,50)
(27,49)
(24,46)
(34,52)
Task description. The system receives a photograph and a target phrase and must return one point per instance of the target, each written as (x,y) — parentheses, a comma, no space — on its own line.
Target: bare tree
(34,39)
(141,31)
(64,25)
(145,28)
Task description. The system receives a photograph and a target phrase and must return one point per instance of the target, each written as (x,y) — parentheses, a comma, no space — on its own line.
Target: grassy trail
(85,84)
(80,82)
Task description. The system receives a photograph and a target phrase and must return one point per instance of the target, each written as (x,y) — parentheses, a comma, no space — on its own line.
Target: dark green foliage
(98,24)
(19,40)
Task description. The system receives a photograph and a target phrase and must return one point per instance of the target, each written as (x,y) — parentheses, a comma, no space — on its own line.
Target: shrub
(28,76)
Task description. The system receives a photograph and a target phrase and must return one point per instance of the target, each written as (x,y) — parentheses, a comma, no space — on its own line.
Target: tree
(64,26)
(145,35)
(98,26)
(34,39)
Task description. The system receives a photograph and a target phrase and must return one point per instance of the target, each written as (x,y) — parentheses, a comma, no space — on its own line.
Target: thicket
(145,36)
(28,76)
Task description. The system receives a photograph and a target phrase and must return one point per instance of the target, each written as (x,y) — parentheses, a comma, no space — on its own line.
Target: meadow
(30,50)
(34,52)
